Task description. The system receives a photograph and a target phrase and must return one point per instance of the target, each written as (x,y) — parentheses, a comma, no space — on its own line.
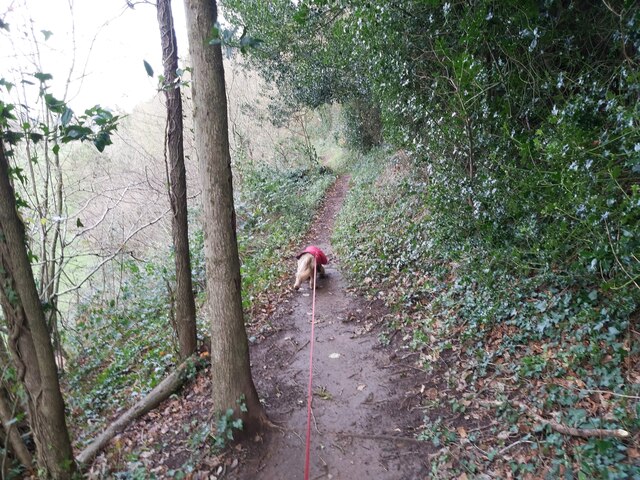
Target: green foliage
(123,346)
(290,31)
(437,433)
(525,114)
(274,210)
(230,40)
(557,334)
(362,126)
(96,124)
(225,426)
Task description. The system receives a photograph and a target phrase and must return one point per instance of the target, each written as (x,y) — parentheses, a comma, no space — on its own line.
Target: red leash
(309,391)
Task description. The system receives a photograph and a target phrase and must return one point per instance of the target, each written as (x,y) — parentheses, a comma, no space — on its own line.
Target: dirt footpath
(363,403)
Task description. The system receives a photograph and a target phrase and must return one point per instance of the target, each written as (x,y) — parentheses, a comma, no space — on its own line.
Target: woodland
(479,161)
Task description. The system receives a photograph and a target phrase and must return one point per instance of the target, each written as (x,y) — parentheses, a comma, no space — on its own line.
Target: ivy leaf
(5,84)
(42,77)
(102,140)
(12,138)
(541,306)
(301,15)
(214,37)
(36,137)
(148,68)
(75,132)
(53,104)
(237,424)
(66,116)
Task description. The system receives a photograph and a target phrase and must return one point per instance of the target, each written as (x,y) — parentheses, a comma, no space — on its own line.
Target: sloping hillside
(520,365)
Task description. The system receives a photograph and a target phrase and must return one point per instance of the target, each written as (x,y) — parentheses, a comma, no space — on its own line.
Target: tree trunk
(155,397)
(10,408)
(185,303)
(28,339)
(230,369)
(11,433)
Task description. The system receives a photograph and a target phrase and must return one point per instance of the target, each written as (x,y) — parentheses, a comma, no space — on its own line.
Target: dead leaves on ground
(173,438)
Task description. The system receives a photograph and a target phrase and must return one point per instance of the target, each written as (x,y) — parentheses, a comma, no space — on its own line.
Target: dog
(308,260)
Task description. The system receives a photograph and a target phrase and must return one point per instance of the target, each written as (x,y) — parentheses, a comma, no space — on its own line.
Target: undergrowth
(274,211)
(124,346)
(557,340)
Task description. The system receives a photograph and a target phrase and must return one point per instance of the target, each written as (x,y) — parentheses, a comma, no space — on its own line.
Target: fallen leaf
(462,432)
(431,393)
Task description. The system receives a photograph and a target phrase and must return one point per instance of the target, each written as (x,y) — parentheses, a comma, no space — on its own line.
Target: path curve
(360,403)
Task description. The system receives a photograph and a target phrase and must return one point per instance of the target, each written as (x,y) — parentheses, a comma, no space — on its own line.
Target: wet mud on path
(361,401)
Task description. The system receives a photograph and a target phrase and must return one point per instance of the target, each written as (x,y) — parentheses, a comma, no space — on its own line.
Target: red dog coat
(321,258)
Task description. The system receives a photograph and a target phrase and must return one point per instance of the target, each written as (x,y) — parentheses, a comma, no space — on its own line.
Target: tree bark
(12,435)
(10,408)
(230,367)
(160,393)
(185,303)
(29,340)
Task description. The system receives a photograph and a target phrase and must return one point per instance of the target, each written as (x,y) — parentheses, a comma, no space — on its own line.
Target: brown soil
(362,409)
(366,402)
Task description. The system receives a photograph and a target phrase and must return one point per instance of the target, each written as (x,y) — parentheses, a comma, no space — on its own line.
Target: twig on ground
(508,447)
(558,427)
(606,392)
(300,348)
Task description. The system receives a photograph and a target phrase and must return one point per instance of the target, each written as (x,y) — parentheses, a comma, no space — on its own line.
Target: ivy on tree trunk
(28,338)
(185,303)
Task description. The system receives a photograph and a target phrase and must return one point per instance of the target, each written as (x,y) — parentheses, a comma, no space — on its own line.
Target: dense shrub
(552,336)
(121,347)
(524,114)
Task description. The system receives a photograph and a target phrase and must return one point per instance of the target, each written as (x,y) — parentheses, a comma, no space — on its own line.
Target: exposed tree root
(160,393)
(558,427)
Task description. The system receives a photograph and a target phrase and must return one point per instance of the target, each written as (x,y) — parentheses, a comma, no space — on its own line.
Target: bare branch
(114,254)
(558,427)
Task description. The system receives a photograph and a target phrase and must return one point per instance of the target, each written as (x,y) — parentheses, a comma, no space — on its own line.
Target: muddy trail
(363,408)
(366,398)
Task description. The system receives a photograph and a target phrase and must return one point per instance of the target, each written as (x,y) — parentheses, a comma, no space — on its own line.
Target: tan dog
(312,258)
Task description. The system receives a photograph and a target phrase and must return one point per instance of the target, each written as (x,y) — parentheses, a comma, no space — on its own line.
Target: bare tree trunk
(29,340)
(185,303)
(230,369)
